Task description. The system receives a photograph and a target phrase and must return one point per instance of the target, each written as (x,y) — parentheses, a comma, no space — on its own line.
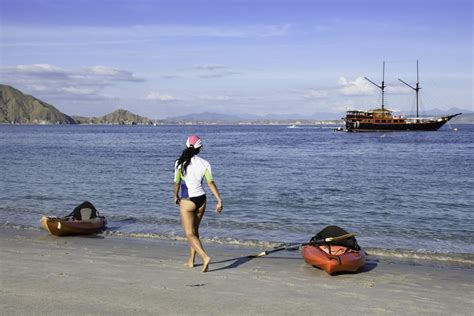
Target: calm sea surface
(411,191)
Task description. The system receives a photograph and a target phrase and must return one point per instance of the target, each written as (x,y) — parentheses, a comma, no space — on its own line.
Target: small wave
(127,219)
(19,226)
(466,259)
(462,259)
(143,235)
(246,243)
(209,240)
(122,219)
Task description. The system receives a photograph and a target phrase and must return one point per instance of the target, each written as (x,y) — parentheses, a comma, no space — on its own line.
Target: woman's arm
(176,193)
(212,185)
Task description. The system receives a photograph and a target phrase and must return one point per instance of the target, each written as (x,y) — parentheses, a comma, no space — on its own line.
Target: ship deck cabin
(376,116)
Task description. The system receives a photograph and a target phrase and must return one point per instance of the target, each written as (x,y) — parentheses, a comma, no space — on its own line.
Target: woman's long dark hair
(185,159)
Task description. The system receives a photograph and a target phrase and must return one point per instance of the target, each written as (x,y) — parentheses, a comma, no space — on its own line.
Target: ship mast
(417,88)
(382,87)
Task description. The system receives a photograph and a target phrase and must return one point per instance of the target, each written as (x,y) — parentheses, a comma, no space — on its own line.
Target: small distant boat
(382,119)
(65,227)
(334,257)
(292,126)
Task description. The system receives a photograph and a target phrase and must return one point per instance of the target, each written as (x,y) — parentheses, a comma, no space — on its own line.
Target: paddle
(315,242)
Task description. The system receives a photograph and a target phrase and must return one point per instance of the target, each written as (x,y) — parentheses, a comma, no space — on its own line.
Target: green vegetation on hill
(19,108)
(119,116)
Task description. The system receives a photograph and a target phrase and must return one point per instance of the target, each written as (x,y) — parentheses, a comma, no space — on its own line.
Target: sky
(166,58)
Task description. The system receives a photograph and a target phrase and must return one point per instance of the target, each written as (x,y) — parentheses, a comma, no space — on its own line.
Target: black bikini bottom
(199,200)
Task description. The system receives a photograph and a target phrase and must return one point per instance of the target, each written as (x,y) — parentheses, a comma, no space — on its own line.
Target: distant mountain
(207,116)
(452,110)
(119,116)
(465,118)
(328,115)
(19,108)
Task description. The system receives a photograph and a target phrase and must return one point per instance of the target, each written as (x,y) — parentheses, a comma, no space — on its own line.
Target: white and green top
(191,183)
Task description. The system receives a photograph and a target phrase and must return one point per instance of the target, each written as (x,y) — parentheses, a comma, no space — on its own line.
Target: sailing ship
(382,119)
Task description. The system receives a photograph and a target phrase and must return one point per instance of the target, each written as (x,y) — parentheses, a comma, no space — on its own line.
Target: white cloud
(38,87)
(38,68)
(103,71)
(170,76)
(215,97)
(45,35)
(219,74)
(109,73)
(158,96)
(46,72)
(207,71)
(357,87)
(35,72)
(399,90)
(66,84)
(211,67)
(214,71)
(202,71)
(79,91)
(315,94)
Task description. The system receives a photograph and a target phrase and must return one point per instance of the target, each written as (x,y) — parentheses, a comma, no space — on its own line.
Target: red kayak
(334,258)
(67,227)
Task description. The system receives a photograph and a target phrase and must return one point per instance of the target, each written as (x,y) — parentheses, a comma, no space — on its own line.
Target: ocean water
(401,192)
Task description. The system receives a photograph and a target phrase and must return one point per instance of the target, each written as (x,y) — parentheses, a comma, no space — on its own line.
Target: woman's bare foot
(205,263)
(190,263)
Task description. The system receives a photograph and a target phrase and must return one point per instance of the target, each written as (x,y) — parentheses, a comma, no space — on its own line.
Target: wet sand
(42,274)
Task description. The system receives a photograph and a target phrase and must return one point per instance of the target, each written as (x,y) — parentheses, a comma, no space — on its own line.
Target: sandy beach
(43,274)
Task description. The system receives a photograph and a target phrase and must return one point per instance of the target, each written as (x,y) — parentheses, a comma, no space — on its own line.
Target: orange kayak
(333,258)
(62,227)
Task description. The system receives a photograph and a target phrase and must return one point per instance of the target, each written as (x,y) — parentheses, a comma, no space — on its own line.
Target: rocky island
(19,108)
(120,116)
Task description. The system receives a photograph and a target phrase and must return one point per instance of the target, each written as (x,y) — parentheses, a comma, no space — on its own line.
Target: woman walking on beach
(190,171)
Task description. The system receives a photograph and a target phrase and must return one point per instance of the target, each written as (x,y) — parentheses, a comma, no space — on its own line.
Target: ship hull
(432,125)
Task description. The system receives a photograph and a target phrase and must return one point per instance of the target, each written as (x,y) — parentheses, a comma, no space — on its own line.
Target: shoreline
(44,274)
(298,123)
(431,258)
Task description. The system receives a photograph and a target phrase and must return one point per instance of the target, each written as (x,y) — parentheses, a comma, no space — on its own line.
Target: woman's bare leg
(197,221)
(190,219)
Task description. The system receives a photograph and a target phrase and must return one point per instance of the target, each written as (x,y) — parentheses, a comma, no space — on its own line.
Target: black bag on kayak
(84,211)
(335,231)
